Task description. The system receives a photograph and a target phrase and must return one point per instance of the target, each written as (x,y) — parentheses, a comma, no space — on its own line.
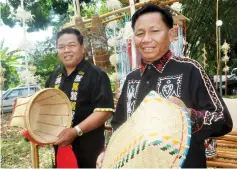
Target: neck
(69,69)
(157,58)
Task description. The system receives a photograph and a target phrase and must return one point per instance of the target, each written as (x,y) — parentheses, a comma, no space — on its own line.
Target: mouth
(148,49)
(68,57)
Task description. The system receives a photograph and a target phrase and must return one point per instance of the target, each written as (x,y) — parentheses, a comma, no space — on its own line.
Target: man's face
(152,37)
(69,50)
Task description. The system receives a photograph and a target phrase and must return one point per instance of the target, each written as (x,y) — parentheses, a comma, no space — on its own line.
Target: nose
(66,49)
(147,38)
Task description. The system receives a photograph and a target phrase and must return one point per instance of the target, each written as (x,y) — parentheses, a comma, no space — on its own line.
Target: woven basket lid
(44,115)
(157,135)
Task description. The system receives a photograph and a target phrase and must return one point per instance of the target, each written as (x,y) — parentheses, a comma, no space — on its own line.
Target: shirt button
(149,67)
(147,82)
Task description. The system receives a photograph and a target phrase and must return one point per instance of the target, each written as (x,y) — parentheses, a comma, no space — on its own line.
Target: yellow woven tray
(157,135)
(44,115)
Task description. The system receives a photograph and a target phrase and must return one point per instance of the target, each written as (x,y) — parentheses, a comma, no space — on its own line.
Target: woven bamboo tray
(157,135)
(44,115)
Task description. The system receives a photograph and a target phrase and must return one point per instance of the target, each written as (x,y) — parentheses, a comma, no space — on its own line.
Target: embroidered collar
(159,64)
(74,91)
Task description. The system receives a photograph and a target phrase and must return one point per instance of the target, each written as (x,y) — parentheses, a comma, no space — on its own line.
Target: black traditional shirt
(185,79)
(94,94)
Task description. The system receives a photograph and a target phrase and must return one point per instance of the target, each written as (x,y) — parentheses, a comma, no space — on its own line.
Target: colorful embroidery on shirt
(170,86)
(159,65)
(74,91)
(217,114)
(132,91)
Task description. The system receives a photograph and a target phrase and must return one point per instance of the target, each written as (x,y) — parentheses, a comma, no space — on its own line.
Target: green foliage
(11,76)
(45,58)
(5,13)
(202,29)
(16,150)
(90,9)
(8,60)
(44,12)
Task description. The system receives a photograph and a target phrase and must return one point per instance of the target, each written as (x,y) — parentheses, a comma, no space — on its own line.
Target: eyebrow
(139,30)
(68,43)
(152,27)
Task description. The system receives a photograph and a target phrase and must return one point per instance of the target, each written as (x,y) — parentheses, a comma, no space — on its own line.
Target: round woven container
(157,135)
(44,115)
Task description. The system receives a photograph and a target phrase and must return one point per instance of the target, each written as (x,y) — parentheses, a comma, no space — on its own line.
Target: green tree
(45,12)
(8,60)
(202,29)
(45,58)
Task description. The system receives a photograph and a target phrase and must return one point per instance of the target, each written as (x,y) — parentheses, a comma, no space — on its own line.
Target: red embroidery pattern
(163,61)
(159,65)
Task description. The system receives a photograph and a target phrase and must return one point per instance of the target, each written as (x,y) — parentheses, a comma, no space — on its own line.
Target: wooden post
(34,155)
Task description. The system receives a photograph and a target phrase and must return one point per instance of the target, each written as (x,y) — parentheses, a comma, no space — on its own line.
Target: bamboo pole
(220,164)
(229,152)
(220,149)
(107,21)
(110,20)
(227,155)
(225,142)
(233,133)
(126,9)
(228,138)
(137,5)
(224,161)
(35,155)
(227,145)
(114,19)
(217,46)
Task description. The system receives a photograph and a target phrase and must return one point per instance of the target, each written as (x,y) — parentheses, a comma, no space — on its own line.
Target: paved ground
(232,106)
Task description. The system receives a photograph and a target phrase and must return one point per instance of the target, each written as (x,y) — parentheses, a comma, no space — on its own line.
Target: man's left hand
(180,103)
(66,137)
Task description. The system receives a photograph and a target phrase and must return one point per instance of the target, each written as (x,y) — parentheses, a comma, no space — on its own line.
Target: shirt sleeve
(102,93)
(120,115)
(210,116)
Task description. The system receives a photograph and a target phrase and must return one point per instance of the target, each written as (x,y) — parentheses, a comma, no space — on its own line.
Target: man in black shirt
(89,91)
(181,79)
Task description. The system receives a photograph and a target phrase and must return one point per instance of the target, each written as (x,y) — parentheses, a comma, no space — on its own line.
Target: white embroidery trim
(199,67)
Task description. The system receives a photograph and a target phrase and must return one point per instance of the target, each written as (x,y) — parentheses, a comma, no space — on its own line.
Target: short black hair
(71,31)
(165,14)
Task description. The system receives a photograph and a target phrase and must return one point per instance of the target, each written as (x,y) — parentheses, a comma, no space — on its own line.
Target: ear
(172,34)
(83,49)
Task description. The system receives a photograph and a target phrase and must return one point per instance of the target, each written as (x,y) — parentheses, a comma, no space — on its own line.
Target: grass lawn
(16,150)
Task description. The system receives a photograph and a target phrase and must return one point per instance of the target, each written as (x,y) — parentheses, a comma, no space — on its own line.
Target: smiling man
(181,79)
(88,88)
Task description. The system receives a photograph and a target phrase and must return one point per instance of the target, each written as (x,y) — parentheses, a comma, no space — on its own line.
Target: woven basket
(157,135)
(44,115)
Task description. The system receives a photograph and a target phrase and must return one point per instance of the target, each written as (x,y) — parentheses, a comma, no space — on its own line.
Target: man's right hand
(100,160)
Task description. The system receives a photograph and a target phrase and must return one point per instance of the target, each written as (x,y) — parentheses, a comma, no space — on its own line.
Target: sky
(13,36)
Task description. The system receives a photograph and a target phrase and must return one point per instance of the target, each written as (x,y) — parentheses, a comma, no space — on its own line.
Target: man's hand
(66,137)
(100,160)
(180,103)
